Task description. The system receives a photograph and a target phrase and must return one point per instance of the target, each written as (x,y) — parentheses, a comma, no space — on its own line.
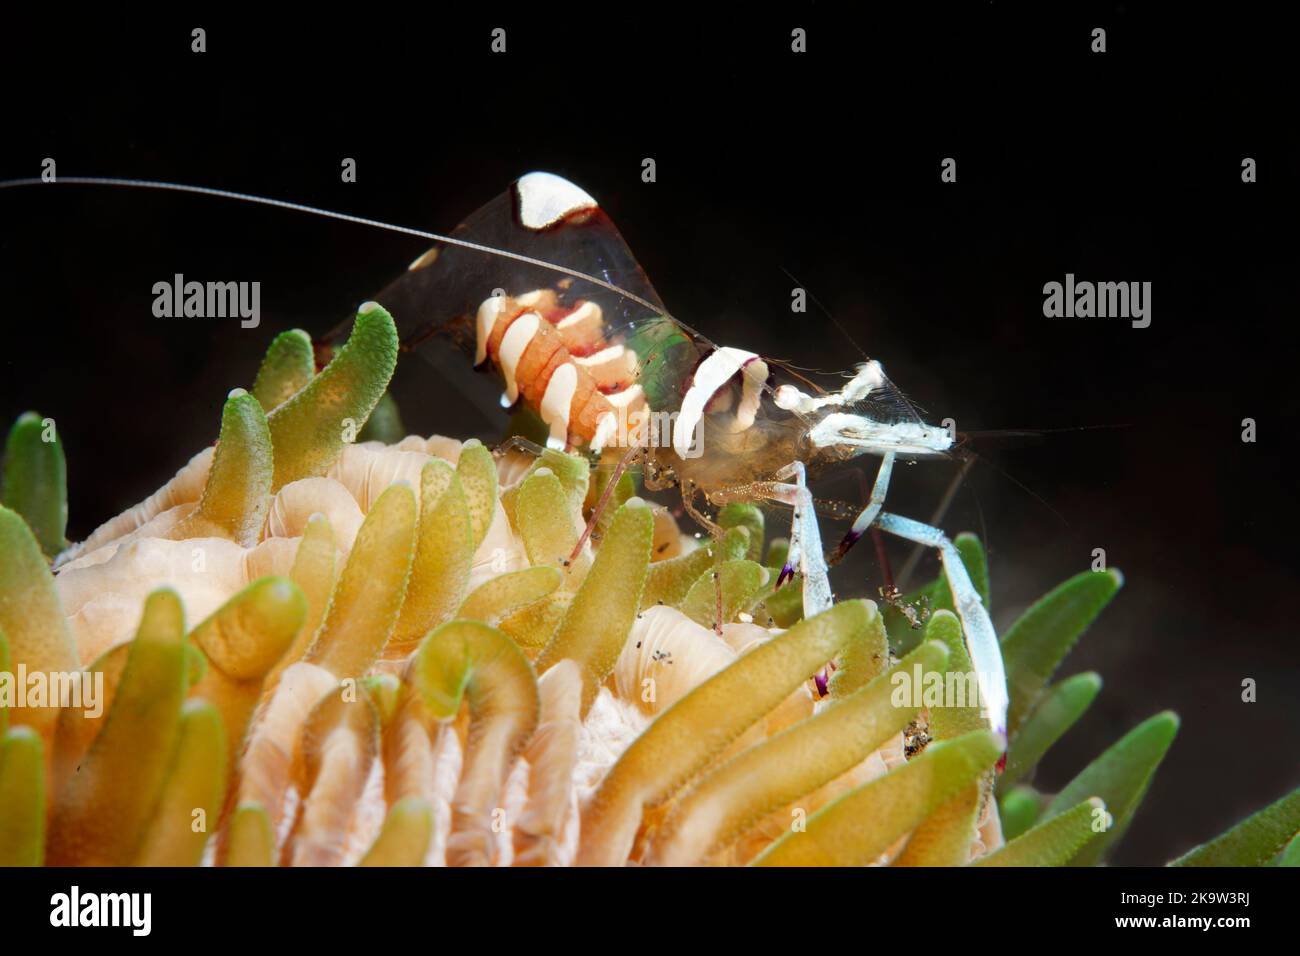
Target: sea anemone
(322,643)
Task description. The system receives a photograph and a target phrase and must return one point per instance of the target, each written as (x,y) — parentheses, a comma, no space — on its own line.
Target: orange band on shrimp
(533,338)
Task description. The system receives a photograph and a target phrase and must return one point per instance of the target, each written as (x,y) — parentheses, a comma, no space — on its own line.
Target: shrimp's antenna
(342,217)
(968,456)
(1022,486)
(968,459)
(817,302)
(1038,432)
(793,371)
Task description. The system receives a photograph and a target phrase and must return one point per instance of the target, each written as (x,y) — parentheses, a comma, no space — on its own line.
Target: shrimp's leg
(981,641)
(602,502)
(805,538)
(689,490)
(868,515)
(517,443)
(805,535)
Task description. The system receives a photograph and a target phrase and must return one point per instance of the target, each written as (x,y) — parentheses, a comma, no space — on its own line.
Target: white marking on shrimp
(557,401)
(754,378)
(606,429)
(514,342)
(611,354)
(612,366)
(427,259)
(583,313)
(626,398)
(487,320)
(545,199)
(714,372)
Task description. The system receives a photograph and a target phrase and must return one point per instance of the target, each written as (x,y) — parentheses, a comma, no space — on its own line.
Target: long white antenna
(328,214)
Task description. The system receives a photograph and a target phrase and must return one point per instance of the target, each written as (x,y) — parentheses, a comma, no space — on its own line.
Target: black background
(1124,166)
